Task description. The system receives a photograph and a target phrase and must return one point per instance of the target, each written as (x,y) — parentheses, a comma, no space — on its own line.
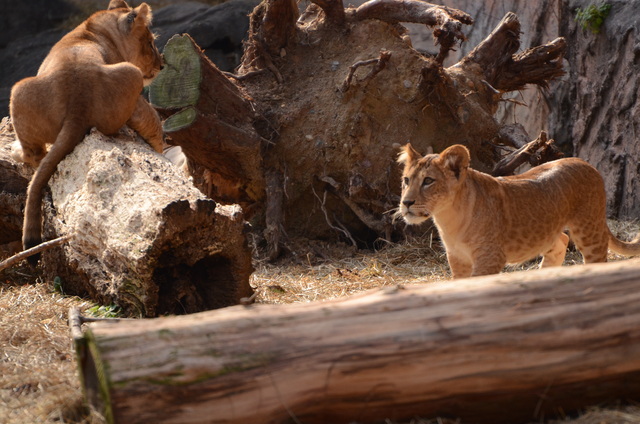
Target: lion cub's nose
(408,203)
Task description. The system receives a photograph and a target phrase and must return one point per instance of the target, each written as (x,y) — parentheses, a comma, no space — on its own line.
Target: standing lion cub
(487,222)
(92,77)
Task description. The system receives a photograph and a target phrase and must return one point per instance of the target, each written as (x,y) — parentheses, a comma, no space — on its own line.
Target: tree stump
(510,348)
(143,237)
(328,120)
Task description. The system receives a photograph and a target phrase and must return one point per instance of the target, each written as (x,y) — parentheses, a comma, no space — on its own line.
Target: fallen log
(143,237)
(504,348)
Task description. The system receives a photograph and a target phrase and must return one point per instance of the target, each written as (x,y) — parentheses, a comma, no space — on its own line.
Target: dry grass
(38,379)
(320,271)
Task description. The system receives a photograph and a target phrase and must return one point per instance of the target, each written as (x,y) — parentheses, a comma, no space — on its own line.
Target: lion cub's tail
(626,248)
(68,138)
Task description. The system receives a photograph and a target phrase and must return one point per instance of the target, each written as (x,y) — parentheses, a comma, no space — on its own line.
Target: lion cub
(92,77)
(487,222)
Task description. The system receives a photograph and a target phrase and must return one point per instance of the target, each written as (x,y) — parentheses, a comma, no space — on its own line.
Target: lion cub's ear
(408,154)
(456,158)
(144,12)
(117,4)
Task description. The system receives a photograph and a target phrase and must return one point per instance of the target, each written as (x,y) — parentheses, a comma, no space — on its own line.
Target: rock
(219,30)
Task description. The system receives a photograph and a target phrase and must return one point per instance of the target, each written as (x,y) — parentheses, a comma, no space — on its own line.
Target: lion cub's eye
(406,181)
(427,181)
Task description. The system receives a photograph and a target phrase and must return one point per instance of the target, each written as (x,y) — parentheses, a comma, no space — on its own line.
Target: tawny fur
(486,222)
(92,77)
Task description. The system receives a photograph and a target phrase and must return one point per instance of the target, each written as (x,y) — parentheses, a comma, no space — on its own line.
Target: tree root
(448,21)
(506,71)
(379,65)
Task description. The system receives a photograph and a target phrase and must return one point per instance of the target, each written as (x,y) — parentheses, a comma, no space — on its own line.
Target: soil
(349,139)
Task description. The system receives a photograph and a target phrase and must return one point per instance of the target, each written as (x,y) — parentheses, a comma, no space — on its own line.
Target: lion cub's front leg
(460,267)
(489,261)
(146,122)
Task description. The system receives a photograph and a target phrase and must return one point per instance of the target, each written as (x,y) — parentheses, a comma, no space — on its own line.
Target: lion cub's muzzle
(158,66)
(411,213)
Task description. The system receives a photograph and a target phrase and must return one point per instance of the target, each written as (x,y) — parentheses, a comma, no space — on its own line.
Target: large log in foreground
(143,236)
(508,348)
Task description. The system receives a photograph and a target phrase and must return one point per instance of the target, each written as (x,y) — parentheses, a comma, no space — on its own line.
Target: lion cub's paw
(17,153)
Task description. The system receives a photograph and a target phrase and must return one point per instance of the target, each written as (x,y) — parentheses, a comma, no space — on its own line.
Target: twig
(326,216)
(245,76)
(380,63)
(34,250)
(246,301)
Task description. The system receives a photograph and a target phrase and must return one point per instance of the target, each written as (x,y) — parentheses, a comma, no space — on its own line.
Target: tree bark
(142,236)
(14,179)
(497,349)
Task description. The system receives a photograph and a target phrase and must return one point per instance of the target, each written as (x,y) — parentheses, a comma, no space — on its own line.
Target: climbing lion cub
(92,77)
(487,222)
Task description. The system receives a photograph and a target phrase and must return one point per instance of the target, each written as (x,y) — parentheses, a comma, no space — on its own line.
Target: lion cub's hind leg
(126,105)
(594,248)
(593,244)
(555,255)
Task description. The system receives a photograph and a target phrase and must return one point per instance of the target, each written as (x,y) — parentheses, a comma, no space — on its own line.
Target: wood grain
(506,348)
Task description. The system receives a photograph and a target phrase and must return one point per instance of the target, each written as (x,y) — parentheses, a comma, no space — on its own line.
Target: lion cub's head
(430,182)
(128,29)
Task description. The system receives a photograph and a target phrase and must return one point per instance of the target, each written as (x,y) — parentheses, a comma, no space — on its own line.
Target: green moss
(102,374)
(592,17)
(180,120)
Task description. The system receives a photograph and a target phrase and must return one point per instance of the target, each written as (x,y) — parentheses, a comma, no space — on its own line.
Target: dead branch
(506,71)
(340,228)
(537,65)
(513,135)
(379,63)
(436,87)
(244,76)
(536,152)
(449,21)
(367,218)
(9,262)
